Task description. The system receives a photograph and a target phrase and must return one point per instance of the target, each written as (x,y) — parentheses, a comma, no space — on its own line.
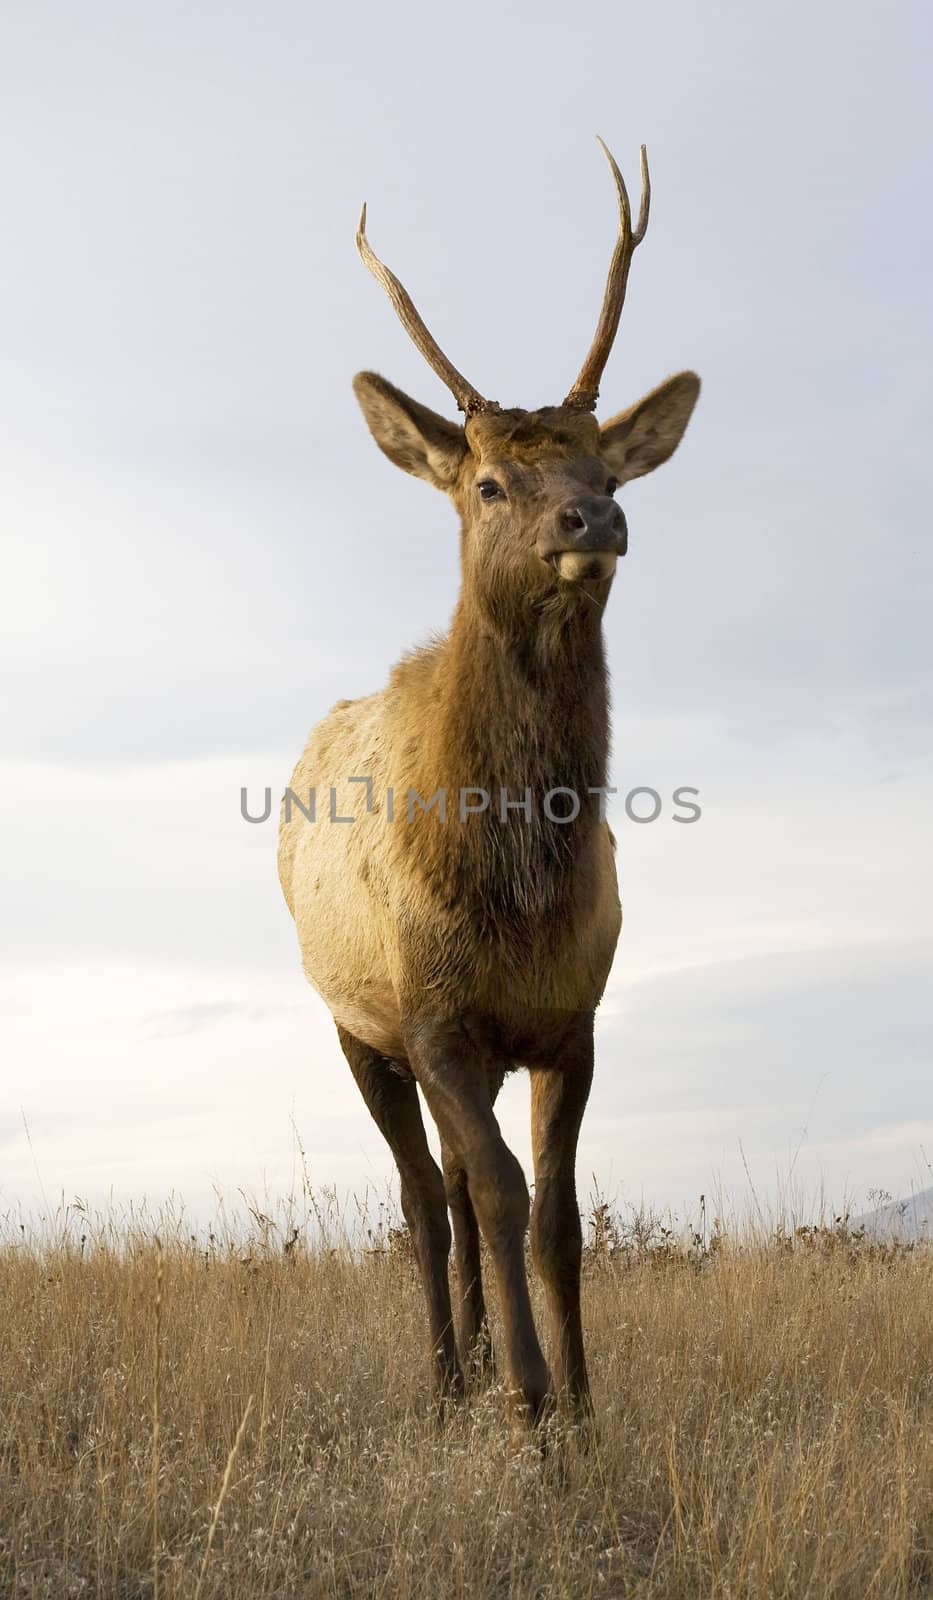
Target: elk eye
(489,489)
(612,485)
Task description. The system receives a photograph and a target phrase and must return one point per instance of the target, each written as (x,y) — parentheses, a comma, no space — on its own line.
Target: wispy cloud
(205,551)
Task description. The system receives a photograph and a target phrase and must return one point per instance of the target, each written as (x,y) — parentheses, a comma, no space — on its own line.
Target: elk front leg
(473,1335)
(455,1085)
(558,1097)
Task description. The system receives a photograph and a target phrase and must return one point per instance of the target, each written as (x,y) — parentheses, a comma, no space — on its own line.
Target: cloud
(173,1024)
(205,550)
(209,549)
(809,1063)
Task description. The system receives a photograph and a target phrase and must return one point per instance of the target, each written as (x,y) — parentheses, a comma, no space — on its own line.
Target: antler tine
(585,392)
(468,399)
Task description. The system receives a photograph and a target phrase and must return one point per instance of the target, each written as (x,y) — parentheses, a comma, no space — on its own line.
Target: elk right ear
(417,440)
(648,433)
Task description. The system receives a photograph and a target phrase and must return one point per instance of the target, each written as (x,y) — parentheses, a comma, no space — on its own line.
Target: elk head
(534,489)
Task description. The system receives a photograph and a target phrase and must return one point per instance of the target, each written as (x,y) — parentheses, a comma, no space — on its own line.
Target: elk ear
(644,436)
(417,440)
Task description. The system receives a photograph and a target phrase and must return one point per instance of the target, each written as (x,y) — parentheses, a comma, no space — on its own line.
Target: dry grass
(202,1417)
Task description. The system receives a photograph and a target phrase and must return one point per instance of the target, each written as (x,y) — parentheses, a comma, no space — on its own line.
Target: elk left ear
(417,440)
(641,438)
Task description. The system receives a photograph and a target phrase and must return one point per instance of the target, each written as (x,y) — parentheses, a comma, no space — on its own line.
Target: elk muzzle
(585,539)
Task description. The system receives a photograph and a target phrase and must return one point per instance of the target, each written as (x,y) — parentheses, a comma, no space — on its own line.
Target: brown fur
(450,952)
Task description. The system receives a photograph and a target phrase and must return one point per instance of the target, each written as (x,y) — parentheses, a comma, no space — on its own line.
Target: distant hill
(901,1219)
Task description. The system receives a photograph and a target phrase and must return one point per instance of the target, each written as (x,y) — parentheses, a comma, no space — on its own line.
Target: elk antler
(468,399)
(585,392)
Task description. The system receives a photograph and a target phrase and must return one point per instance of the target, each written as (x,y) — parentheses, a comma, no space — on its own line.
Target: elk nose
(594,522)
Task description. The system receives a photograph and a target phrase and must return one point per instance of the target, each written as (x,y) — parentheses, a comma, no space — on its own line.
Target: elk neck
(521,702)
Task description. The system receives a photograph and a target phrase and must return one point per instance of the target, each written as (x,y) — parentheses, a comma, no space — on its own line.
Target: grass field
(245,1414)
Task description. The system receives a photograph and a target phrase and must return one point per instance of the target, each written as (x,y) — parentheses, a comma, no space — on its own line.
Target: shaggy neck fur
(526,705)
(519,702)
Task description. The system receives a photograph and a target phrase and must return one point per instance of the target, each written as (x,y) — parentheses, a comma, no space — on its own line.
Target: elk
(465,923)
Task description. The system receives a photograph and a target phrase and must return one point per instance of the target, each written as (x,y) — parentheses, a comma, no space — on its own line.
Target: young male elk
(465,922)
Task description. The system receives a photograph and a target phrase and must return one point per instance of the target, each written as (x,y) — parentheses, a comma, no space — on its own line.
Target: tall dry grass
(248,1416)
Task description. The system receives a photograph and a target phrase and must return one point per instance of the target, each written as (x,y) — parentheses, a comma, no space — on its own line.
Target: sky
(203,549)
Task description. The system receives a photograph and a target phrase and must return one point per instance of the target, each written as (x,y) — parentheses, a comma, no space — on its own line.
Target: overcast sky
(203,549)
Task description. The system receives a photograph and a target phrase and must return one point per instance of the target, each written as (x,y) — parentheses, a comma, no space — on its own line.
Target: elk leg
(473,1335)
(393,1104)
(558,1098)
(456,1088)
